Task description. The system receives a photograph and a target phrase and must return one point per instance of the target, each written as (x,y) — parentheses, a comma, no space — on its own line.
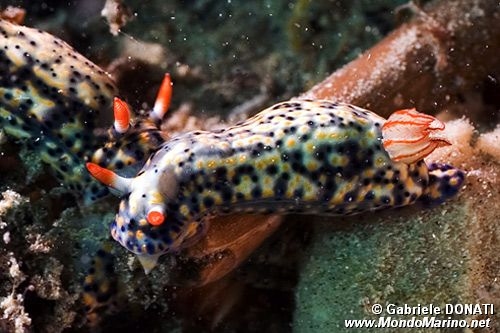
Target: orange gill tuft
(409,136)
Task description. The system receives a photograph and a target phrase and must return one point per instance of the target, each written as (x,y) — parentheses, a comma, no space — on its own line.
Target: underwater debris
(13,14)
(150,53)
(488,143)
(117,14)
(10,199)
(14,311)
(12,306)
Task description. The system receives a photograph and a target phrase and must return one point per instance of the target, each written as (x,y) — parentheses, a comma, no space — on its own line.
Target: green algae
(32,163)
(390,258)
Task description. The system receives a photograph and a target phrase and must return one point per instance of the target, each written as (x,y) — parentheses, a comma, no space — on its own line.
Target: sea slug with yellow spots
(302,156)
(52,99)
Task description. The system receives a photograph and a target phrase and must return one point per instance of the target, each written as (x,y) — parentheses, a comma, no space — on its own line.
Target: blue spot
(370,195)
(150,248)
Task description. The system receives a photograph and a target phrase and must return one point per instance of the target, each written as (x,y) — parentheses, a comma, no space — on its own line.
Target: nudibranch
(52,99)
(301,156)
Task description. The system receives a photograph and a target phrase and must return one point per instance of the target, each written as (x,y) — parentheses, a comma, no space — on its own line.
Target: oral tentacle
(109,178)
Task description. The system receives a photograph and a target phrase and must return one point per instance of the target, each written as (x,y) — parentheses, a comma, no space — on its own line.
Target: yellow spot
(267,193)
(89,279)
(230,161)
(199,164)
(344,160)
(334,135)
(243,158)
(335,160)
(143,222)
(320,135)
(139,235)
(453,182)
(303,129)
(184,210)
(410,184)
(88,299)
(156,198)
(268,141)
(104,287)
(379,162)
(211,164)
(311,166)
(119,221)
(308,192)
(291,143)
(369,173)
(339,197)
(310,147)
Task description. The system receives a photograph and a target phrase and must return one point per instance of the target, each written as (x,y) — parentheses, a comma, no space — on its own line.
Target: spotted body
(52,99)
(311,157)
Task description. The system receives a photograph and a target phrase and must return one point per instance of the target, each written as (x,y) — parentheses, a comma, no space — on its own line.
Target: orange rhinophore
(122,115)
(163,98)
(409,136)
(108,177)
(155,217)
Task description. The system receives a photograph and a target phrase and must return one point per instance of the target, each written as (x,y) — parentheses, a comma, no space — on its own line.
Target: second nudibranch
(304,156)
